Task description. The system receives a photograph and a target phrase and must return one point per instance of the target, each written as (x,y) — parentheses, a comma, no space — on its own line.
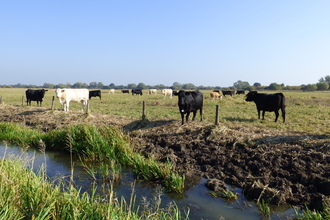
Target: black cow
(125,91)
(95,93)
(190,101)
(137,91)
(267,102)
(228,92)
(35,95)
(240,92)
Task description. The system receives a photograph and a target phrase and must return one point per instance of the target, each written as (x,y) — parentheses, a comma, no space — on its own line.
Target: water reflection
(196,197)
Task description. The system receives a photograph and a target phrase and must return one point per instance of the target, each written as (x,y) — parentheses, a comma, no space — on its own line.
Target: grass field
(307,112)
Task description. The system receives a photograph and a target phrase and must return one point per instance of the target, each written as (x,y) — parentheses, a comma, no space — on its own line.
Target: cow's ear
(63,90)
(187,93)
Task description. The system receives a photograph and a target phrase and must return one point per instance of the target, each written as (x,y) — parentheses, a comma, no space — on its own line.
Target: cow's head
(60,93)
(185,100)
(250,97)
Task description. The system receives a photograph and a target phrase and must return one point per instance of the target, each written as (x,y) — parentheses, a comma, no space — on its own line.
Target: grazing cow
(111,91)
(190,101)
(95,93)
(152,91)
(218,91)
(125,91)
(240,92)
(66,96)
(35,95)
(215,95)
(137,91)
(168,92)
(228,92)
(267,102)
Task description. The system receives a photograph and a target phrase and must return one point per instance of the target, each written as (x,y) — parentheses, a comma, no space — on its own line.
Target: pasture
(307,112)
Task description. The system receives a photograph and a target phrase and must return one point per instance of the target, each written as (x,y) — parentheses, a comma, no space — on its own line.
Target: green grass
(26,195)
(103,143)
(307,112)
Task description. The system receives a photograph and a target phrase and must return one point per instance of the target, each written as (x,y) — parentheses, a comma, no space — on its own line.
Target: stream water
(197,198)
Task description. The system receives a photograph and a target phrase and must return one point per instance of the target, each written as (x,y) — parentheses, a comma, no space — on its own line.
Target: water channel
(197,198)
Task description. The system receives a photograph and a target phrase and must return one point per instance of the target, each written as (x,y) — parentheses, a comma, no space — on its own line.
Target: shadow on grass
(239,119)
(144,124)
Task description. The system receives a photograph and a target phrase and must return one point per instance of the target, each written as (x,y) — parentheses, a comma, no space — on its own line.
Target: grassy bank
(101,144)
(26,195)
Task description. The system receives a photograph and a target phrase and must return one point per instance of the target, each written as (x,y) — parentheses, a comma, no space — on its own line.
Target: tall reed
(28,195)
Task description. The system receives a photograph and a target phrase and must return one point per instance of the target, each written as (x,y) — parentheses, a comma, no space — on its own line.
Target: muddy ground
(277,166)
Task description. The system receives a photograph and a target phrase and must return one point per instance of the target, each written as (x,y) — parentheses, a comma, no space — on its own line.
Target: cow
(240,92)
(168,92)
(267,102)
(35,95)
(190,101)
(228,92)
(111,91)
(137,91)
(215,95)
(95,93)
(66,96)
(152,91)
(125,91)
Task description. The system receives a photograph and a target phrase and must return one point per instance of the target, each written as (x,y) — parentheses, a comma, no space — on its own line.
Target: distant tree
(77,85)
(241,84)
(309,87)
(176,86)
(93,85)
(189,86)
(120,87)
(275,86)
(131,86)
(141,86)
(112,85)
(325,79)
(100,85)
(160,86)
(256,84)
(322,86)
(48,86)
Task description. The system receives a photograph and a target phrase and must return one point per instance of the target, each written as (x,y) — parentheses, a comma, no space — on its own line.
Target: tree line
(322,85)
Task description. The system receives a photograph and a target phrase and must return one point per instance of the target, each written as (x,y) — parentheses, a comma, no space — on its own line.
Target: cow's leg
(263,114)
(194,115)
(283,114)
(276,115)
(182,118)
(187,116)
(201,113)
(258,114)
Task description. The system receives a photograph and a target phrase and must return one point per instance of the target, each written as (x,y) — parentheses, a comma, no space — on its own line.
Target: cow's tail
(283,105)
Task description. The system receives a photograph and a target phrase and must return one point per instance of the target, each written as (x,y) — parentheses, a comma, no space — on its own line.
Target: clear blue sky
(209,43)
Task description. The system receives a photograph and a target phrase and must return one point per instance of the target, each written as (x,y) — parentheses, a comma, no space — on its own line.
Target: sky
(206,43)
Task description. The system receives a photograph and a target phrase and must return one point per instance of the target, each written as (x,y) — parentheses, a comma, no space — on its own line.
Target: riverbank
(270,165)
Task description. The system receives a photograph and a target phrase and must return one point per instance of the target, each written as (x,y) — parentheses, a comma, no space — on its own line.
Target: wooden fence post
(52,108)
(143,110)
(217,115)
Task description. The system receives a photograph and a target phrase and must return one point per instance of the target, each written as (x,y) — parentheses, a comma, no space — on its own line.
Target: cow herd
(188,101)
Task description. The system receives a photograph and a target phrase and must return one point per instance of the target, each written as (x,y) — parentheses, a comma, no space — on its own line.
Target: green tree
(241,84)
(322,86)
(131,86)
(256,84)
(141,86)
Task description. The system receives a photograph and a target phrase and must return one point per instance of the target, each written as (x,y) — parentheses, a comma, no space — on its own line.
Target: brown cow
(215,95)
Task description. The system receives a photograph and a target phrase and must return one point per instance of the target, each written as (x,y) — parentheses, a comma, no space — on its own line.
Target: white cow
(111,91)
(66,96)
(168,92)
(152,91)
